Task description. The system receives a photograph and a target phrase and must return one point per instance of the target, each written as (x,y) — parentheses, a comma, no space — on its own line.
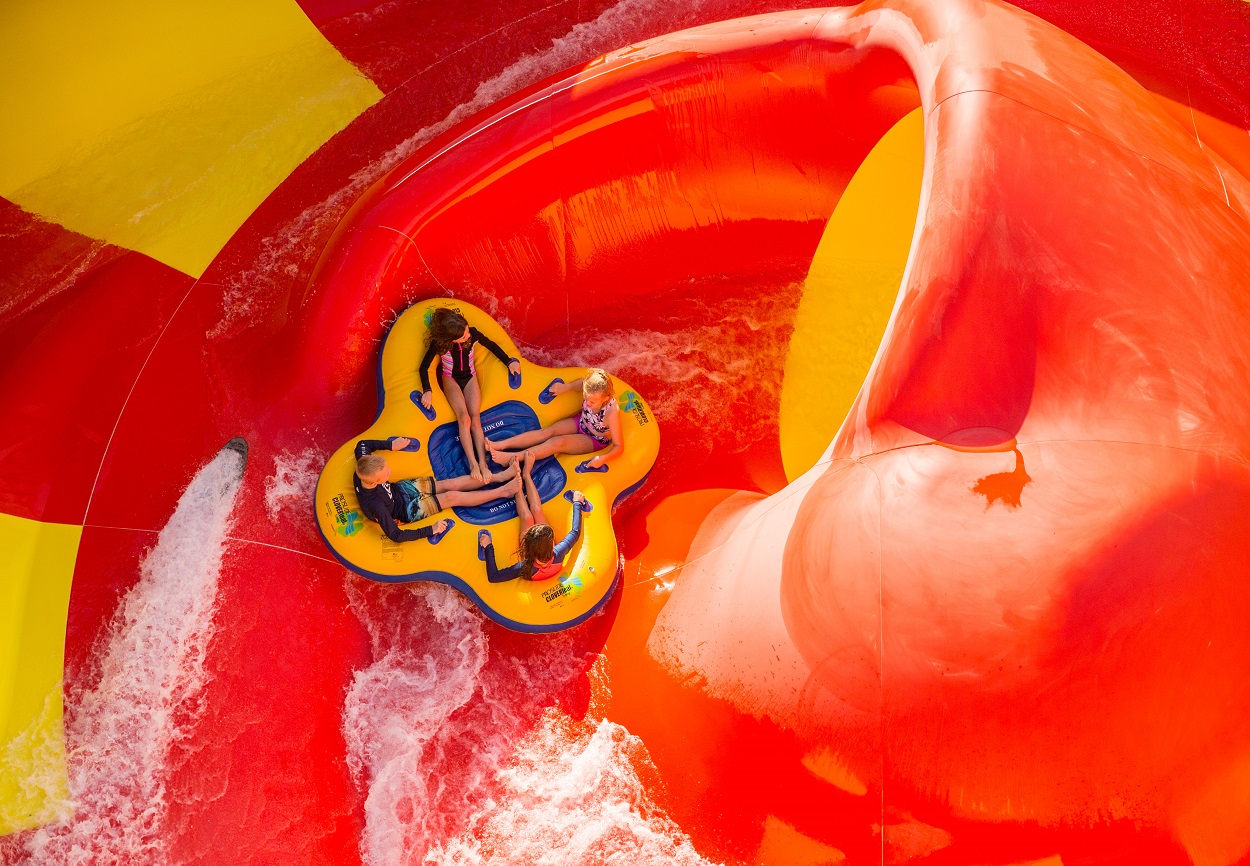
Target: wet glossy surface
(1004,622)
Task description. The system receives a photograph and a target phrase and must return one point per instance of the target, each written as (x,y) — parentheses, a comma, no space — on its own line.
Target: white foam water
(428,652)
(430,721)
(293,481)
(722,366)
(291,486)
(150,675)
(571,796)
(452,741)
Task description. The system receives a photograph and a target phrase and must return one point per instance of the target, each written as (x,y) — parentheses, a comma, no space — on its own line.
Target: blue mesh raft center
(498,422)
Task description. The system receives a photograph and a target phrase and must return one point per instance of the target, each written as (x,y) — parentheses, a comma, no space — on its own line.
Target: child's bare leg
(473,402)
(522,507)
(449,498)
(507,474)
(456,398)
(534,501)
(520,441)
(468,482)
(575,443)
(507,450)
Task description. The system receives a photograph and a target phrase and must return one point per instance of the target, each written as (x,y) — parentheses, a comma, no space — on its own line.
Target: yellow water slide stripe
(36,570)
(158,126)
(849,293)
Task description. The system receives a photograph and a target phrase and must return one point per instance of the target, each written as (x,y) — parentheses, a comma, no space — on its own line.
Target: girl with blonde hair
(595,428)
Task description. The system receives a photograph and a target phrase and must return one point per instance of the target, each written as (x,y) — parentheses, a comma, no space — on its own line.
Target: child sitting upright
(596,426)
(451,337)
(414,499)
(539,556)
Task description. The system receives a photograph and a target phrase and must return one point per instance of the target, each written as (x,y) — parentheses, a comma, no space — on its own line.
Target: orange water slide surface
(944,313)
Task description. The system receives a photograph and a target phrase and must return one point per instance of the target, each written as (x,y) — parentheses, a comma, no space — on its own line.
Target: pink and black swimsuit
(458,360)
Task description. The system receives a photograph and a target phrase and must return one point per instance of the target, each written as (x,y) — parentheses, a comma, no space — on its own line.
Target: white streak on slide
(150,664)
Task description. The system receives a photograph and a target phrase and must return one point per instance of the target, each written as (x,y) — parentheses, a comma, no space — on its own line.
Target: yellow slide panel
(161,126)
(36,570)
(849,294)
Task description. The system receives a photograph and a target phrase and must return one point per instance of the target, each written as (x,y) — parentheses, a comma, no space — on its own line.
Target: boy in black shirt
(408,501)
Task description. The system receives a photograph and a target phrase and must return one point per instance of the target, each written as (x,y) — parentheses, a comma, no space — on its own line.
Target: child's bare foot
(504,474)
(512,488)
(503,458)
(527,462)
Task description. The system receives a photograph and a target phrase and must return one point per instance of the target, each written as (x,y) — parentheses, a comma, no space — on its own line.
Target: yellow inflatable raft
(510,404)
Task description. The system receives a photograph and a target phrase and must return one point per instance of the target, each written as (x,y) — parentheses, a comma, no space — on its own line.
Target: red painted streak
(66,370)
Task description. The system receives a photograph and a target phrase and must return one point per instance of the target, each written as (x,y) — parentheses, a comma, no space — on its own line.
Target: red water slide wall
(1078,285)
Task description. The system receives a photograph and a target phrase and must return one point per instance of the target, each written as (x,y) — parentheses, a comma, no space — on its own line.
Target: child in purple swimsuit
(596,427)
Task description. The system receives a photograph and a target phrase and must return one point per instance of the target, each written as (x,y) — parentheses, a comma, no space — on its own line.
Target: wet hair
(596,381)
(446,326)
(538,544)
(370,465)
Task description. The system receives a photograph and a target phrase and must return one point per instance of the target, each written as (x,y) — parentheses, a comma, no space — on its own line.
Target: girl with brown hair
(453,339)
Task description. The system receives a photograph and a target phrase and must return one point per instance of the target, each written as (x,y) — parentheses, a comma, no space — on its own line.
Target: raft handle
(429,413)
(586,506)
(414,444)
(545,396)
(438,536)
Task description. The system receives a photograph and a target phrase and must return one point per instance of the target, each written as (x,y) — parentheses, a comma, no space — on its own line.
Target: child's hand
(514,366)
(560,388)
(441,526)
(483,540)
(595,462)
(578,496)
(427,399)
(399,443)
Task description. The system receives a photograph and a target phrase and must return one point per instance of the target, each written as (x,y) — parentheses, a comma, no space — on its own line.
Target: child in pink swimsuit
(453,339)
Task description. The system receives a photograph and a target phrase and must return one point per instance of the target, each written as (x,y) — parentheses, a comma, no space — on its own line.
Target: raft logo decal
(631,402)
(558,591)
(347,521)
(569,585)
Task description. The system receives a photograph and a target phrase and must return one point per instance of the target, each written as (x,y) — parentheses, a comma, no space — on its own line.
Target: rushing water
(148,679)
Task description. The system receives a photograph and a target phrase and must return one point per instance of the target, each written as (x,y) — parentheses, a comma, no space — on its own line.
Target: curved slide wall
(914,558)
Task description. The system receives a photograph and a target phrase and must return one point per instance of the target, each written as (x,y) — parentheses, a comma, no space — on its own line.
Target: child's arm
(368,446)
(617,448)
(475,334)
(493,573)
(392,531)
(566,544)
(565,387)
(424,369)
